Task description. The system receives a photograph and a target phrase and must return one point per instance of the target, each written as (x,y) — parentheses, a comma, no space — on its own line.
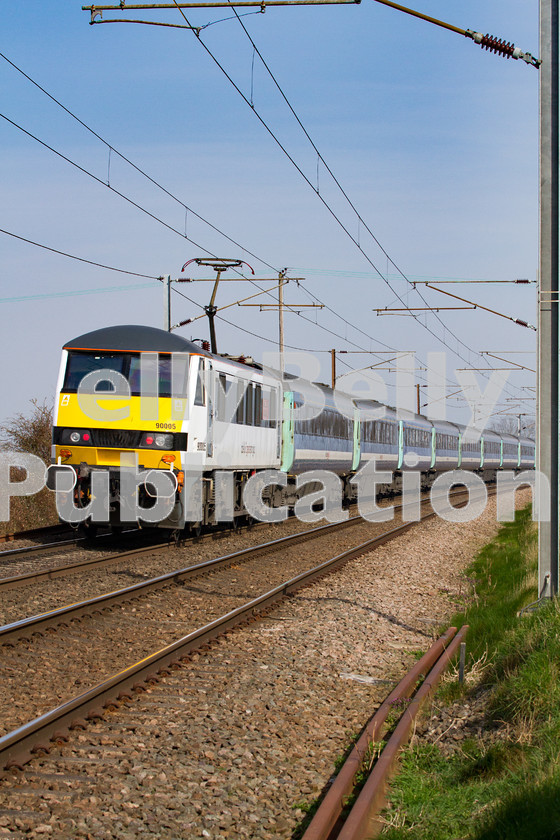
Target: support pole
(211,310)
(167,303)
(547,440)
(281,280)
(333,369)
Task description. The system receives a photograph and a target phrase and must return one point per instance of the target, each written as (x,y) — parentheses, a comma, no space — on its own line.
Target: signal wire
(80,259)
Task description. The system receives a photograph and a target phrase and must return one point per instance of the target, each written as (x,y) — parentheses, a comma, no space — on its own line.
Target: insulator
(496,45)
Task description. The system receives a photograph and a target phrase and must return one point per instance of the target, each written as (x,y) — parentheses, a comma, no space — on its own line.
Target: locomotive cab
(128,396)
(162,418)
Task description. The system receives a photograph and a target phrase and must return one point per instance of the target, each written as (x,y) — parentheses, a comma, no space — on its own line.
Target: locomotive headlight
(75,436)
(164,441)
(157,441)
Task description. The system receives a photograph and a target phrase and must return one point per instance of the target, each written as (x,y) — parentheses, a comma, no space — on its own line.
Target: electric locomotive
(141,399)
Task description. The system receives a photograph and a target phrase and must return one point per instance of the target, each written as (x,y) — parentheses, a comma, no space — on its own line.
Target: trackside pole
(167,303)
(547,430)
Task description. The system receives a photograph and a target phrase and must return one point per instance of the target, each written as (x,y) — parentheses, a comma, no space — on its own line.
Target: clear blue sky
(434,140)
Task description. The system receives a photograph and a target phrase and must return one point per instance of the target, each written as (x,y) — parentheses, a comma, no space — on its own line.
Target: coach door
(211,397)
(288,450)
(356,454)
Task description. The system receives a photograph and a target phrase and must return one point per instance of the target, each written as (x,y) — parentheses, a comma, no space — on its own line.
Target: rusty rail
(359,824)
(330,809)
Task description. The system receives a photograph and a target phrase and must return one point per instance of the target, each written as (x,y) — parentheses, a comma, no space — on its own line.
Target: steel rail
(332,806)
(359,823)
(44,548)
(161,540)
(15,581)
(32,532)
(31,577)
(26,627)
(17,747)
(81,565)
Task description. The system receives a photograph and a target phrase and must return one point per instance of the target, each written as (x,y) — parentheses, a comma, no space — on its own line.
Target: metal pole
(462,652)
(211,310)
(281,277)
(167,303)
(547,449)
(333,369)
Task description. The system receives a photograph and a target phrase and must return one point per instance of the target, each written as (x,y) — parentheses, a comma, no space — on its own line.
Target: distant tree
(23,433)
(29,433)
(509,425)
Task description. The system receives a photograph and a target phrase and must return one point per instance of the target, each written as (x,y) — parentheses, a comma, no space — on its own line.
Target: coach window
(258,405)
(200,395)
(240,413)
(223,388)
(249,405)
(269,408)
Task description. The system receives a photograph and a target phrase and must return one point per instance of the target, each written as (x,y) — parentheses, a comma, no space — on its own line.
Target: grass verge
(503,782)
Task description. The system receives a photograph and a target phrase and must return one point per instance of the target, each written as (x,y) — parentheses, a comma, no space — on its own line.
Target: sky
(433,140)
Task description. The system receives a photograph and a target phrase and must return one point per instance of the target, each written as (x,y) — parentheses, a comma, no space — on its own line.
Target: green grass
(508,787)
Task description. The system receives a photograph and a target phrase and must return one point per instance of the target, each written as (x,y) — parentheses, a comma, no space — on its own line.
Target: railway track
(40,572)
(104,629)
(217,730)
(33,533)
(11,556)
(96,573)
(32,556)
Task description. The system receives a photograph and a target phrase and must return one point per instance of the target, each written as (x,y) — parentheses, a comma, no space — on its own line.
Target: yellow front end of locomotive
(99,431)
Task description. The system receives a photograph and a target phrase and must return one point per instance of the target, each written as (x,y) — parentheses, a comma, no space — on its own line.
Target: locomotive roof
(133,338)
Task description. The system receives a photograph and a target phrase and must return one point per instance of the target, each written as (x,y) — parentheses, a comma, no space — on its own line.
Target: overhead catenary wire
(320,157)
(101,181)
(134,166)
(177,5)
(336,181)
(74,257)
(139,207)
(142,172)
(184,205)
(127,160)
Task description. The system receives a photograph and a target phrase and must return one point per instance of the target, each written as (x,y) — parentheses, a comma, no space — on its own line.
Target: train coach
(153,401)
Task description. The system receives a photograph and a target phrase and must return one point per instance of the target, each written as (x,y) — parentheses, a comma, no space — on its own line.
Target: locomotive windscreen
(158,373)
